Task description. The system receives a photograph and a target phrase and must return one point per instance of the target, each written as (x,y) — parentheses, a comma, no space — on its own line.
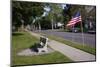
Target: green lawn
(23,40)
(73,44)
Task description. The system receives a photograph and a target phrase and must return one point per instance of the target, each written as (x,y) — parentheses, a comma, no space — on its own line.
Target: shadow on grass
(17,34)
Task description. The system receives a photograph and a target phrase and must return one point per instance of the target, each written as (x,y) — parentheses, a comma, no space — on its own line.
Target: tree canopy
(45,14)
(25,11)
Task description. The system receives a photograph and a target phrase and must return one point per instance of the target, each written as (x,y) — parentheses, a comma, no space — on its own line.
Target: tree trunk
(39,26)
(52,24)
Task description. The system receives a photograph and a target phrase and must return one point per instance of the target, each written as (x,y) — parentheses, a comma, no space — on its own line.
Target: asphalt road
(89,39)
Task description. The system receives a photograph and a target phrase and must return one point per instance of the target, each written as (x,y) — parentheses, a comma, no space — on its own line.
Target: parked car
(92,31)
(75,30)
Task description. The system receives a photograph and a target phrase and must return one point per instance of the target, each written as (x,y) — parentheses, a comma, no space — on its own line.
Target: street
(89,39)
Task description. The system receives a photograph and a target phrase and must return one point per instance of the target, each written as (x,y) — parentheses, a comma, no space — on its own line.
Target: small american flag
(77,18)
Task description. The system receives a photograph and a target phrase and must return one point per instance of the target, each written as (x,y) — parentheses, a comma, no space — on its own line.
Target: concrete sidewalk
(73,53)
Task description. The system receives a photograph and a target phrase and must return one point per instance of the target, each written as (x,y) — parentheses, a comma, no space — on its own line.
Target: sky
(47,9)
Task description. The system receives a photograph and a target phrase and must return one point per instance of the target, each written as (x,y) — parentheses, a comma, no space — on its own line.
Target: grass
(23,40)
(85,48)
(62,30)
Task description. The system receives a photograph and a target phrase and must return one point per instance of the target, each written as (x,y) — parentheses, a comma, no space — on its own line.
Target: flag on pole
(76,18)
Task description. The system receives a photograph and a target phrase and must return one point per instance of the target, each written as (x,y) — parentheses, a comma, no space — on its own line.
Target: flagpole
(72,31)
(82,32)
(76,19)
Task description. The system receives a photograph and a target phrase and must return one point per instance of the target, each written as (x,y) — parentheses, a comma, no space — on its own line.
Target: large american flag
(76,18)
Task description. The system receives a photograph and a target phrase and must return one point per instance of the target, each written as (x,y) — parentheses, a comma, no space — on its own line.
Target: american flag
(76,18)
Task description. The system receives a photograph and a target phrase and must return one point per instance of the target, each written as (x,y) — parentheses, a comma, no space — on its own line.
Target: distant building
(59,25)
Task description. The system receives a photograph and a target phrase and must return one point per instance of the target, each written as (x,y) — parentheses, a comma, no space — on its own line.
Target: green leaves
(25,11)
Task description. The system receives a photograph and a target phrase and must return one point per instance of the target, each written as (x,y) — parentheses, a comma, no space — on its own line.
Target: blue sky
(47,9)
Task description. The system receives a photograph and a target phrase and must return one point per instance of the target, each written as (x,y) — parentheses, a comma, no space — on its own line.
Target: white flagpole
(72,33)
(82,32)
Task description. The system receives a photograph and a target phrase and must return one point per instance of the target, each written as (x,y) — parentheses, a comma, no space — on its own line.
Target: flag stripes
(77,18)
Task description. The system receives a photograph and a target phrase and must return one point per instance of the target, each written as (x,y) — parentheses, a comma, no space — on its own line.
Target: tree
(55,13)
(25,11)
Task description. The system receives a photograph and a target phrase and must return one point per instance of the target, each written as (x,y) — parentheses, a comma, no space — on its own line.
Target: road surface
(89,39)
